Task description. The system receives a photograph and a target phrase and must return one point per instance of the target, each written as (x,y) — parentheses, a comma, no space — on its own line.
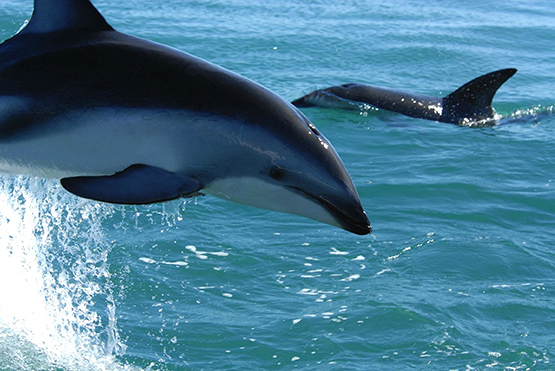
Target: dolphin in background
(124,120)
(469,105)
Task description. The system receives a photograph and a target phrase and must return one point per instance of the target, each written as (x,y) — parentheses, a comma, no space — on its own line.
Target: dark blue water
(458,274)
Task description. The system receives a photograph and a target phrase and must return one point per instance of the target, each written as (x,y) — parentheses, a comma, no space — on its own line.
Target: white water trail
(57,308)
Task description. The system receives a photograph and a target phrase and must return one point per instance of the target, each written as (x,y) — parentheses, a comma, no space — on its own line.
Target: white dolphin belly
(103,141)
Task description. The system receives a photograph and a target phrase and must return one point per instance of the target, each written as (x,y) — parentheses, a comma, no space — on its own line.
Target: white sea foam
(57,308)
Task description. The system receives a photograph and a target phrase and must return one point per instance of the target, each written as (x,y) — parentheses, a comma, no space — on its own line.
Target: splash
(57,308)
(535,113)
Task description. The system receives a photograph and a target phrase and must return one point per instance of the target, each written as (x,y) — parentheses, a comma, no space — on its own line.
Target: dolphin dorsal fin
(480,91)
(63,15)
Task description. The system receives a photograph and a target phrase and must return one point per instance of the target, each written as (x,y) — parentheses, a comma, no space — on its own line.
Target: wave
(529,115)
(57,304)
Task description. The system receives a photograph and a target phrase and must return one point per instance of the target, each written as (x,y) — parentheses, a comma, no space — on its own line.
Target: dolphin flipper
(476,95)
(138,184)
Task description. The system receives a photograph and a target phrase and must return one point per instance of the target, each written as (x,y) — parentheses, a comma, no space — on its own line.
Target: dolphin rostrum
(469,105)
(124,120)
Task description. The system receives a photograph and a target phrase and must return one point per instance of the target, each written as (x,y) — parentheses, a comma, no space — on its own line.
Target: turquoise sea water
(458,274)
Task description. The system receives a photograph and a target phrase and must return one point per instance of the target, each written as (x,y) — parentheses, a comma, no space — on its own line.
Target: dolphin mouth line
(358,225)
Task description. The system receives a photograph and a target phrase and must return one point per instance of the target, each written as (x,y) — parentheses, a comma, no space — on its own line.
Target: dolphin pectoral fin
(138,184)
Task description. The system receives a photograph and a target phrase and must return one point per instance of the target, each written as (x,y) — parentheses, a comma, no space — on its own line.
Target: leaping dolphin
(469,105)
(124,120)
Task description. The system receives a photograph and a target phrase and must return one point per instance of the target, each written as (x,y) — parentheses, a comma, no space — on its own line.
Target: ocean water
(459,273)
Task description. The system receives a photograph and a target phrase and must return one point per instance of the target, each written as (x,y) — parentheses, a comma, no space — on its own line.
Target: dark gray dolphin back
(473,99)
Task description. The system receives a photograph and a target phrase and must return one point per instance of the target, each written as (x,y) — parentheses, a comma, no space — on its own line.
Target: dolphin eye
(277,173)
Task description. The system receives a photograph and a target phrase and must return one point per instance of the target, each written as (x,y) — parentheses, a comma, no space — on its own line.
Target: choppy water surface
(459,273)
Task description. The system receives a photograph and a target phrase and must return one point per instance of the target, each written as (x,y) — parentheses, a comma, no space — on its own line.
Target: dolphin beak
(349,215)
(347,212)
